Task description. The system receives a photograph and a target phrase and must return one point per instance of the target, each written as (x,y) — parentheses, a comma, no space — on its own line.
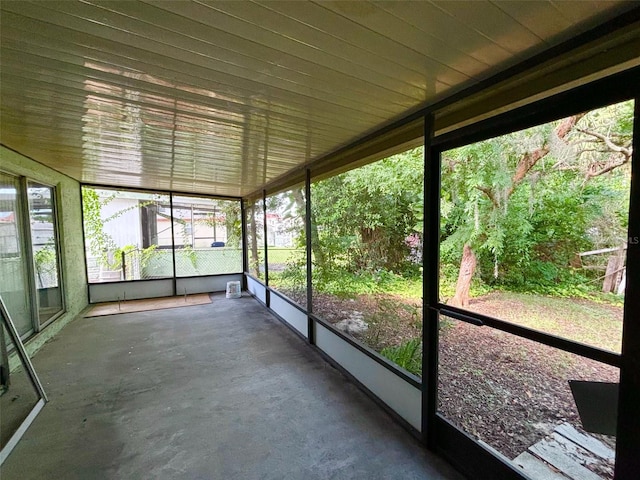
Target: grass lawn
(593,323)
(283,255)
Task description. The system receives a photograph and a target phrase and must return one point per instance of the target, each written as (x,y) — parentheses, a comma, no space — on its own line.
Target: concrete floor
(218,391)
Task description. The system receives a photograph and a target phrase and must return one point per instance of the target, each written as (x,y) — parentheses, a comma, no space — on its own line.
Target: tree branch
(529,159)
(600,168)
(489,193)
(596,169)
(607,141)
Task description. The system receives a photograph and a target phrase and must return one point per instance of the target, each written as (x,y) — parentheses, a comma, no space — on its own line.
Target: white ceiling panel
(224,97)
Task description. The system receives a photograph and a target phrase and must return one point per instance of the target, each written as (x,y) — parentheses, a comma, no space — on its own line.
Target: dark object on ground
(217,244)
(597,404)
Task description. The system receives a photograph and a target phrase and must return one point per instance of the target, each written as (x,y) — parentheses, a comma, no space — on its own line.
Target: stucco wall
(71,240)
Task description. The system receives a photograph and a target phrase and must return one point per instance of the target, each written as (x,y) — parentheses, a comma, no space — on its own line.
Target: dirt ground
(504,390)
(392,321)
(508,391)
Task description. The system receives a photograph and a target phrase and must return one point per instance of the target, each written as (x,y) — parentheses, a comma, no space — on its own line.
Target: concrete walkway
(218,391)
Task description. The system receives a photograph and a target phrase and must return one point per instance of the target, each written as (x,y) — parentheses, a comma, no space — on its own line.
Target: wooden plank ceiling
(224,97)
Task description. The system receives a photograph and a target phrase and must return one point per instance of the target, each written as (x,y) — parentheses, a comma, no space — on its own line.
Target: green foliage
(188,252)
(98,242)
(365,215)
(128,252)
(392,321)
(232,222)
(45,258)
(293,279)
(526,234)
(345,284)
(342,283)
(254,237)
(408,355)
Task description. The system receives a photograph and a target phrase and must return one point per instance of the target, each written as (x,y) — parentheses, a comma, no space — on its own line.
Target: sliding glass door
(45,250)
(30,279)
(14,285)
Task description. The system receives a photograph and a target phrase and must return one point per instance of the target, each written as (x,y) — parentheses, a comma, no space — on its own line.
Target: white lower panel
(111,292)
(257,290)
(289,313)
(216,283)
(401,396)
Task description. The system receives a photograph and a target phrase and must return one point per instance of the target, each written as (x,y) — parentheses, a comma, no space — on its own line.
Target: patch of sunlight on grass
(581,320)
(409,288)
(283,255)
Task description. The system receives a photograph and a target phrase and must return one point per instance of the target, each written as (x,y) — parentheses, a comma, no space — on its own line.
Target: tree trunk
(316,249)
(613,274)
(374,254)
(254,263)
(467,268)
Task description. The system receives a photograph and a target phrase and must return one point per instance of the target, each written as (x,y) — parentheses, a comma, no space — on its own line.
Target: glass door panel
(44,242)
(13,264)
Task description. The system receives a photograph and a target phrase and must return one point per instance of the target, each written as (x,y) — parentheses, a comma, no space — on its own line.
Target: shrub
(408,355)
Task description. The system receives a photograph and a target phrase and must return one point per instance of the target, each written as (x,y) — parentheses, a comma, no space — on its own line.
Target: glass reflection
(44,242)
(13,264)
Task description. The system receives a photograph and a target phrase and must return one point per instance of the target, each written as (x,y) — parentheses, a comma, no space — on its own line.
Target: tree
(522,199)
(291,207)
(232,222)
(364,216)
(255,224)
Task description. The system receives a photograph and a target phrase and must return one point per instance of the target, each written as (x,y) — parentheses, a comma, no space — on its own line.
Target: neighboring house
(8,237)
(281,231)
(135,222)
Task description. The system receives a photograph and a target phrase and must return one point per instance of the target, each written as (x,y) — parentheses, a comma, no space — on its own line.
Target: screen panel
(286,243)
(534,226)
(366,239)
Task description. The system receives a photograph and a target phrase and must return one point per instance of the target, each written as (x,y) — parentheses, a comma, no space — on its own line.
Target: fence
(144,265)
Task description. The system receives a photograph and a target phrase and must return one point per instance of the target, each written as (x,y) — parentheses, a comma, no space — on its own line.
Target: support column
(628,435)
(311,336)
(430,262)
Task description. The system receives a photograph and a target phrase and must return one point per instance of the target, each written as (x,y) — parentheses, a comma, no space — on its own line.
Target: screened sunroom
(431,210)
